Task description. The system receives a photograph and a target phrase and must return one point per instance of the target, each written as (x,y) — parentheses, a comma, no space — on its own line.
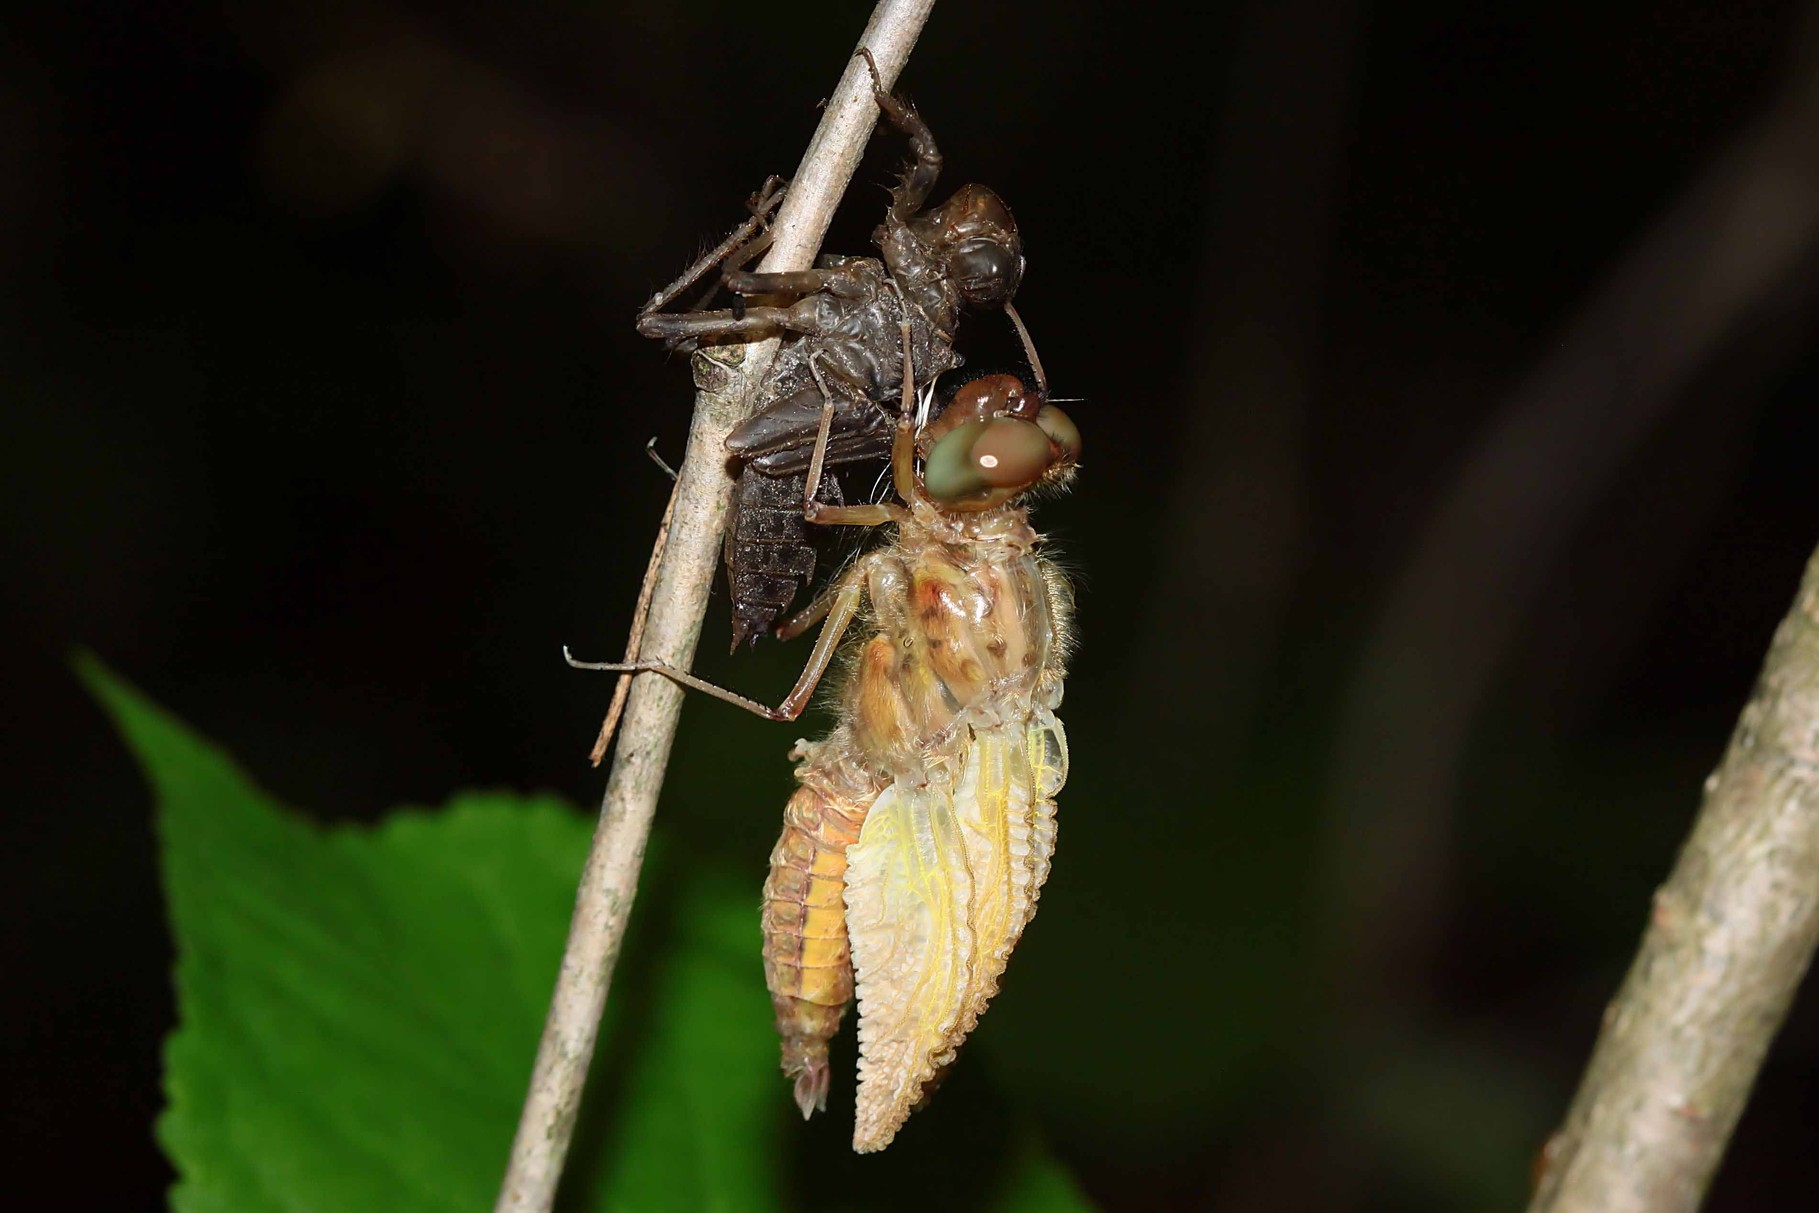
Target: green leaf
(697,1121)
(359,1007)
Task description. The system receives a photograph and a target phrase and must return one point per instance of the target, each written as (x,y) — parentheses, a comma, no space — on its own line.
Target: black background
(325,419)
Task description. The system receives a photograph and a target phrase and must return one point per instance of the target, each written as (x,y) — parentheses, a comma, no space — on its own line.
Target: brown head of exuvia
(975,239)
(996,440)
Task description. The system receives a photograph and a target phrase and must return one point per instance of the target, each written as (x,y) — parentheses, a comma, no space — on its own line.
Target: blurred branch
(1730,937)
(609,882)
(1732,241)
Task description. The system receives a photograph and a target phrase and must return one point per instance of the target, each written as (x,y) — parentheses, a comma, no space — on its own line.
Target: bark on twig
(610,880)
(1730,936)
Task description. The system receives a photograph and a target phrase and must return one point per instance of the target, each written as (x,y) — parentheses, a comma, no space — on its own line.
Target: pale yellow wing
(939,887)
(1045,745)
(1009,837)
(907,894)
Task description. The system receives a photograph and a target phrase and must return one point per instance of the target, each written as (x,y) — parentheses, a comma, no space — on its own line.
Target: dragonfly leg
(734,261)
(809,615)
(650,449)
(745,322)
(784,282)
(823,431)
(913,190)
(855,515)
(837,515)
(903,442)
(761,204)
(806,316)
(844,600)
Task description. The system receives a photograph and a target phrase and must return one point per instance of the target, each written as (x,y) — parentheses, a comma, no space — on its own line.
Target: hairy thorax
(966,637)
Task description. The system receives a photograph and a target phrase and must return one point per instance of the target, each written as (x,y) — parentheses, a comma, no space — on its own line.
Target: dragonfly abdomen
(807,961)
(769,553)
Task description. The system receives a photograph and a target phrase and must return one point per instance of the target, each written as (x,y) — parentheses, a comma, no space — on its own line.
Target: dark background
(1448,383)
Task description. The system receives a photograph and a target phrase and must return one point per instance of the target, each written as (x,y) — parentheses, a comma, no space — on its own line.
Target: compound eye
(1062,432)
(986,271)
(998,395)
(982,463)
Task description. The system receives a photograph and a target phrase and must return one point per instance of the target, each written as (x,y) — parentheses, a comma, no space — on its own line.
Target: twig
(1730,936)
(635,642)
(610,880)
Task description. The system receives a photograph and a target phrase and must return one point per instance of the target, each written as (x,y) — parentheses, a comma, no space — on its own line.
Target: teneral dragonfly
(913,852)
(842,356)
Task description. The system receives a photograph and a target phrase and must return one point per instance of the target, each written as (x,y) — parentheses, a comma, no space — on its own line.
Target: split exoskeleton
(841,365)
(914,849)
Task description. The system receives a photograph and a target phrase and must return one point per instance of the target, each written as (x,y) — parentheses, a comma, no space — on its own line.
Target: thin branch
(1731,935)
(635,642)
(609,882)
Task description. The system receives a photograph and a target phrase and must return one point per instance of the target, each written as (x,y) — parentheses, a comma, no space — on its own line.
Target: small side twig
(641,612)
(610,879)
(1731,935)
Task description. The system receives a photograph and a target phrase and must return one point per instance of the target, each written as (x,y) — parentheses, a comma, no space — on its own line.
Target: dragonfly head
(995,440)
(976,240)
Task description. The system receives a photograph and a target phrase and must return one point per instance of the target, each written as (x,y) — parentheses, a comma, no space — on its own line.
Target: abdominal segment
(939,886)
(806,962)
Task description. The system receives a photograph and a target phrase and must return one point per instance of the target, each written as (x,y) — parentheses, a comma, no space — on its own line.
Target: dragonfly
(841,358)
(915,847)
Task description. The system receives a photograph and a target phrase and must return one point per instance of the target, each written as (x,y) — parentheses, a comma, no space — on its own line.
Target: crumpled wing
(1006,811)
(908,896)
(938,889)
